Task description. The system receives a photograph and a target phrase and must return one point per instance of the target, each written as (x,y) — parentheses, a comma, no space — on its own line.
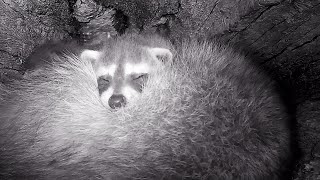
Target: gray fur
(209,115)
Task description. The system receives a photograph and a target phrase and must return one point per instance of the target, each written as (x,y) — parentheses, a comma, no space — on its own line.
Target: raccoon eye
(138,81)
(139,77)
(103,80)
(103,84)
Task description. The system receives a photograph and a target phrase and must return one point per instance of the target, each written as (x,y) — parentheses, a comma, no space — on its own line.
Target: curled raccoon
(138,108)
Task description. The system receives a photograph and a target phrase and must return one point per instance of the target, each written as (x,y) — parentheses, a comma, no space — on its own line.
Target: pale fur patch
(154,52)
(106,70)
(130,68)
(90,55)
(129,92)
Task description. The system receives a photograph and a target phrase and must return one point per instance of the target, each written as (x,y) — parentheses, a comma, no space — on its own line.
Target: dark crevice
(294,30)
(280,39)
(268,30)
(120,21)
(286,48)
(277,55)
(250,24)
(307,42)
(311,29)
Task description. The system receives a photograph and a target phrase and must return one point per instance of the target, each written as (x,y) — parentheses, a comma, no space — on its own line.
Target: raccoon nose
(117,101)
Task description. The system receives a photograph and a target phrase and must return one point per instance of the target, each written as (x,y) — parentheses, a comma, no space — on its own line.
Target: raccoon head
(122,73)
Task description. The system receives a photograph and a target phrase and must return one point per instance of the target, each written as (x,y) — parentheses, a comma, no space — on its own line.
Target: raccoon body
(207,114)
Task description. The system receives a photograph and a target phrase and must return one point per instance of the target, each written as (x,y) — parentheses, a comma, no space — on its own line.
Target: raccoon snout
(117,101)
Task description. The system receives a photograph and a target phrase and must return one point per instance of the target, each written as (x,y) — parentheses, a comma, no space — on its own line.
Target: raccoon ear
(90,55)
(161,54)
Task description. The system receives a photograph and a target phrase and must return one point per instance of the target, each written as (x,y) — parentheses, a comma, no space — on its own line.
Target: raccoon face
(121,76)
(117,84)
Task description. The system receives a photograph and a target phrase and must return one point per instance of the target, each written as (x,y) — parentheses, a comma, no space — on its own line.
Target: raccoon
(195,111)
(122,67)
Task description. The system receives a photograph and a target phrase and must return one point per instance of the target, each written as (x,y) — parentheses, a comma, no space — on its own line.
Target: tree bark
(26,24)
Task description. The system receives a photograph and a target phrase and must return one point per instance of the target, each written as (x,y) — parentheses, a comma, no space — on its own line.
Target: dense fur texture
(208,115)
